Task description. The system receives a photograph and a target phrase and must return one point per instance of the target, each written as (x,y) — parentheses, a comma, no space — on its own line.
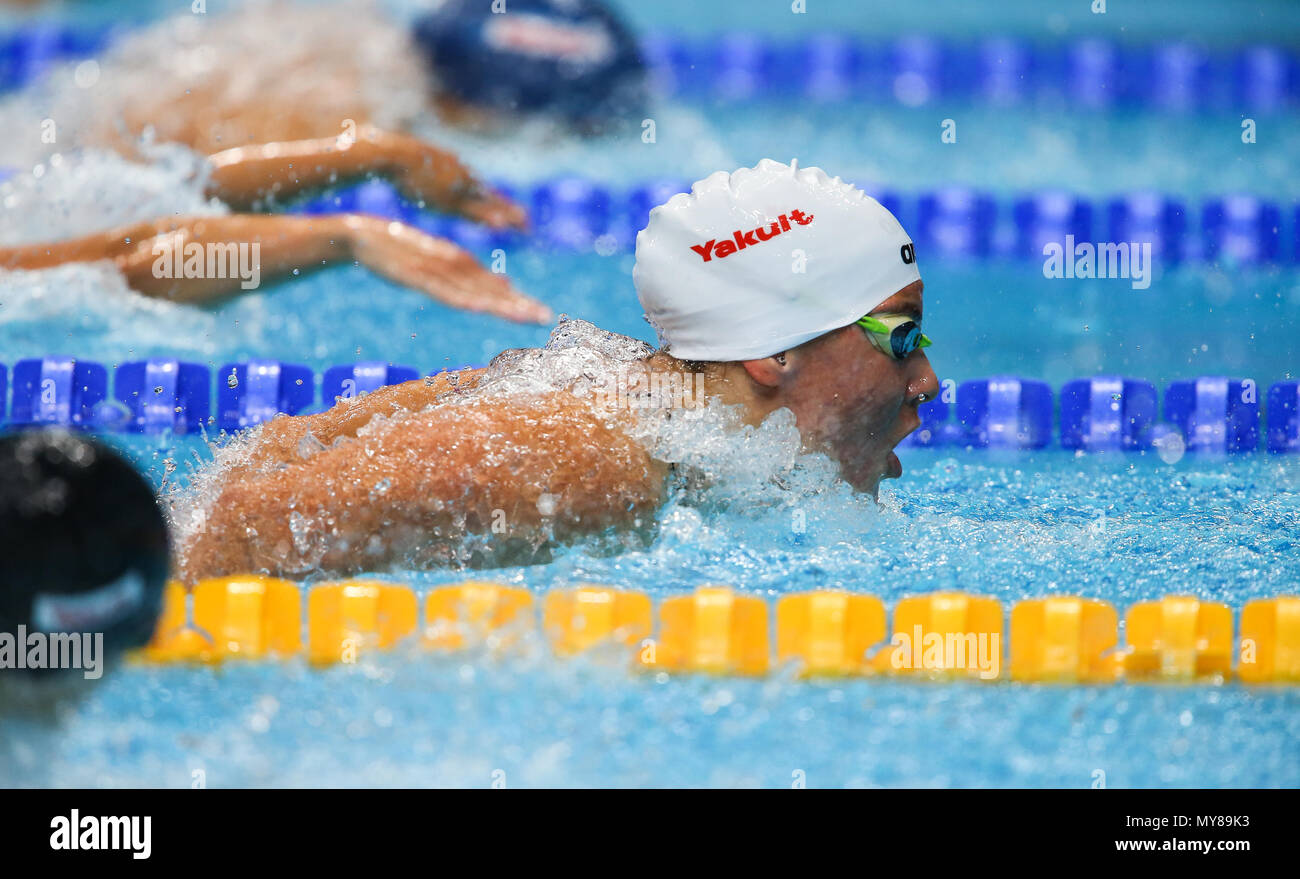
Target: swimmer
(335,100)
(786,289)
(83,557)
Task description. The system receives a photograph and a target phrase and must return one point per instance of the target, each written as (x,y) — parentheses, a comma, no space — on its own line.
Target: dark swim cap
(83,544)
(572,58)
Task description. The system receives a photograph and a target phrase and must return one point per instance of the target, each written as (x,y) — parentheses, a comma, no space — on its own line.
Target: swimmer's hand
(425,172)
(438,267)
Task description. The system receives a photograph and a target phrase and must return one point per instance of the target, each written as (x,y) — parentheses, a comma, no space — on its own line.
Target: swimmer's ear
(771,372)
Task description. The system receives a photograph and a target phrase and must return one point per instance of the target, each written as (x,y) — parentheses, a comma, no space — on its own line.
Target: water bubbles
(606,245)
(1170,447)
(86,74)
(300,529)
(309,445)
(380,488)
(110,415)
(158,390)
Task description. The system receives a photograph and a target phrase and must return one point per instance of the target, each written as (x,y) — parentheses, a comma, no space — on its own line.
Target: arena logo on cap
(740,239)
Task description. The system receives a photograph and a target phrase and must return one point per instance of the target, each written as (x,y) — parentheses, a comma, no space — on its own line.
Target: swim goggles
(896,335)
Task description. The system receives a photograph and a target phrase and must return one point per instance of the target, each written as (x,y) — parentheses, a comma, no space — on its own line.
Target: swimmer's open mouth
(893,466)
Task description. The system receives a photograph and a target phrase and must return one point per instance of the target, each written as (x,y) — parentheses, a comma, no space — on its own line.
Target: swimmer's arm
(286,245)
(410,493)
(244,177)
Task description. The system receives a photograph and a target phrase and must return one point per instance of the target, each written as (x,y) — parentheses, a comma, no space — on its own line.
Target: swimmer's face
(852,401)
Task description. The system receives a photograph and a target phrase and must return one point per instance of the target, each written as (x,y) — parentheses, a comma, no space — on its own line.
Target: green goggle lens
(895,334)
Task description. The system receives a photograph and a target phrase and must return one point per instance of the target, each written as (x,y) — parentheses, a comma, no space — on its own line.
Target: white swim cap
(753,263)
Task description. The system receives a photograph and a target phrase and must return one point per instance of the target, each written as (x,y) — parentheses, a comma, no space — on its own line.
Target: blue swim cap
(572,58)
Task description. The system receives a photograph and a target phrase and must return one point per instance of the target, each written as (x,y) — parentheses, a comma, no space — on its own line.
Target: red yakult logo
(740,239)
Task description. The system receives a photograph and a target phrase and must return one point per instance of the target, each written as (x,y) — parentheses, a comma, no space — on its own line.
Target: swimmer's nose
(922,383)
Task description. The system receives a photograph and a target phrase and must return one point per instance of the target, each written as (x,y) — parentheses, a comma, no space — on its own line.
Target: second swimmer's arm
(247,176)
(150,254)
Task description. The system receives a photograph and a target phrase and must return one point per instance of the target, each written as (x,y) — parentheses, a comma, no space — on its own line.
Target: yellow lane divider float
(716,630)
(343,619)
(575,620)
(711,630)
(1064,640)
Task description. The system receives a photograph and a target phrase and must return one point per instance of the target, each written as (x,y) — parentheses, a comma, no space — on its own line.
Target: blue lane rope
(1103,413)
(1173,76)
(575,214)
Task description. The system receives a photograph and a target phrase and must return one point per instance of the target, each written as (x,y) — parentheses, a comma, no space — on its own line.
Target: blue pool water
(1123,528)
(1127,529)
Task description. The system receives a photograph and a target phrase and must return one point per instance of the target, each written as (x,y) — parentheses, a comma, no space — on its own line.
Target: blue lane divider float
(1283,425)
(351,380)
(570,212)
(1241,229)
(1050,217)
(1005,412)
(955,220)
(1214,413)
(1211,414)
(949,222)
(163,395)
(26,54)
(253,392)
(58,390)
(1107,413)
(1149,216)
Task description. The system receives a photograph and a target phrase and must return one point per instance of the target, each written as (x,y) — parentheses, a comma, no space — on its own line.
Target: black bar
(335,828)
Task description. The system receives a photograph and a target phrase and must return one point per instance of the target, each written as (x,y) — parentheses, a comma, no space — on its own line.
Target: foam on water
(92,300)
(75,195)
